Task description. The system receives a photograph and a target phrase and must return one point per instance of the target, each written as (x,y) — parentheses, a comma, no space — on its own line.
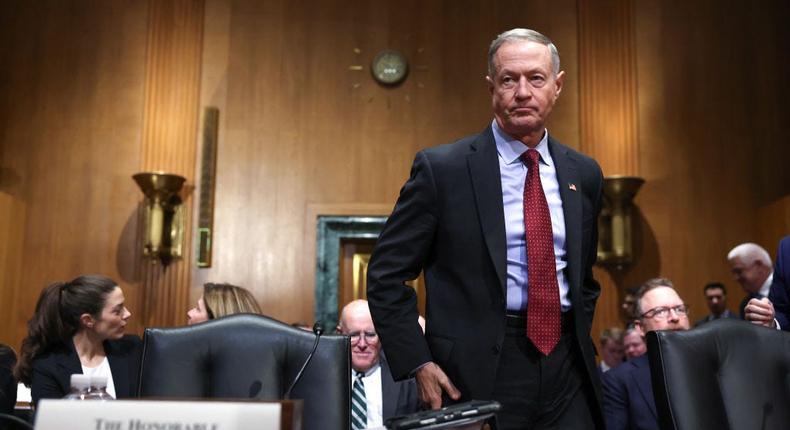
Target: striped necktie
(359,404)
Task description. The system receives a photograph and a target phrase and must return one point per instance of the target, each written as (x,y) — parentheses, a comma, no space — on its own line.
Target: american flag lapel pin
(572,187)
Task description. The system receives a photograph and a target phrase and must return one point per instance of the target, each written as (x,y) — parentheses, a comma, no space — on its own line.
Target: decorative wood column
(608,114)
(607,88)
(169,141)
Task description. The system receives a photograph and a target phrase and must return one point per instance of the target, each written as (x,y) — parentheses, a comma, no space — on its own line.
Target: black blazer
(51,376)
(449,220)
(398,397)
(7,381)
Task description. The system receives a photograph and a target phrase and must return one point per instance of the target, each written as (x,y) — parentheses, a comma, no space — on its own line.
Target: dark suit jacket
(449,221)
(628,402)
(780,288)
(710,317)
(398,397)
(51,377)
(7,381)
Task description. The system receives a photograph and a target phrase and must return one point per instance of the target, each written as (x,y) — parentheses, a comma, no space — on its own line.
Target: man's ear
(558,82)
(490,83)
(638,326)
(86,320)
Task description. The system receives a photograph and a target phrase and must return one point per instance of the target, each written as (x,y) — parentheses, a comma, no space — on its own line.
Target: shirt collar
(510,149)
(766,288)
(370,371)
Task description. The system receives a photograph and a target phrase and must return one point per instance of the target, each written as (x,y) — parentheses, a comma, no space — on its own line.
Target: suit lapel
(642,379)
(570,192)
(389,391)
(487,185)
(72,362)
(119,366)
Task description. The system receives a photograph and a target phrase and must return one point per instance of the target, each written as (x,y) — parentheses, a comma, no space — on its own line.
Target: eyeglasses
(662,312)
(370,336)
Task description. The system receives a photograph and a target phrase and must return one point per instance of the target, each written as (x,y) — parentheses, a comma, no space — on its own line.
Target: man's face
(662,297)
(717,300)
(365,345)
(634,344)
(750,276)
(612,353)
(628,307)
(523,88)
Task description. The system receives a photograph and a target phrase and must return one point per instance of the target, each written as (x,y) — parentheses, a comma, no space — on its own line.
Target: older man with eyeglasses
(627,392)
(375,396)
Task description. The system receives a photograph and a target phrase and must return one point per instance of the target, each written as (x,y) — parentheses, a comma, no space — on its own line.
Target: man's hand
(431,381)
(760,312)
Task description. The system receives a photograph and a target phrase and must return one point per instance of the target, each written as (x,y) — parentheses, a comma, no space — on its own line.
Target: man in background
(375,396)
(611,343)
(776,311)
(750,265)
(634,342)
(716,299)
(628,401)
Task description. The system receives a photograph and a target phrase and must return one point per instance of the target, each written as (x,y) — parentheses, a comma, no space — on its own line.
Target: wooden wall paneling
(608,117)
(12,227)
(773,223)
(70,100)
(170,133)
(701,134)
(298,127)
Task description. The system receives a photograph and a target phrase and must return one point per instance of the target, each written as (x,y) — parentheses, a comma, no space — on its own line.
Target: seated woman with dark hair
(219,300)
(78,327)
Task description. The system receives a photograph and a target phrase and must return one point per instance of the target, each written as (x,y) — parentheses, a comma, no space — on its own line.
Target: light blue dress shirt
(513,173)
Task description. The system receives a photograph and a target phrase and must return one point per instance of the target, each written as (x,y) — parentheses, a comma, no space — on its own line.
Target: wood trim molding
(170,129)
(607,90)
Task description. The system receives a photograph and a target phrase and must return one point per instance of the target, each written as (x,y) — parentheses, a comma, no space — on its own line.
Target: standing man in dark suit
(775,311)
(504,225)
(716,299)
(375,395)
(628,402)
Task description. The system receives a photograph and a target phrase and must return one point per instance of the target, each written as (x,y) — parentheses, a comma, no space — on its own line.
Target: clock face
(389,67)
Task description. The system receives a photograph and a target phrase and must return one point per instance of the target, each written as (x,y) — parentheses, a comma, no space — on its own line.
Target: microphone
(318,330)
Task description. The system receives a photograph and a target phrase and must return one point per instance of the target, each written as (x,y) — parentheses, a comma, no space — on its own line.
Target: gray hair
(527,35)
(748,253)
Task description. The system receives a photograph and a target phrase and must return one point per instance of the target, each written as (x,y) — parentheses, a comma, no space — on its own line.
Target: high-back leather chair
(725,374)
(250,356)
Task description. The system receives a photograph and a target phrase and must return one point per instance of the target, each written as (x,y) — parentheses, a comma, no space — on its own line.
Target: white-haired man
(375,395)
(751,266)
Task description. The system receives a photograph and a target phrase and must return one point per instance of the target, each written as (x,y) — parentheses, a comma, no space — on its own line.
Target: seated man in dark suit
(375,396)
(628,402)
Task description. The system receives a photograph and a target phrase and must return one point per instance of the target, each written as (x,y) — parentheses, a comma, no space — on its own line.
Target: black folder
(461,414)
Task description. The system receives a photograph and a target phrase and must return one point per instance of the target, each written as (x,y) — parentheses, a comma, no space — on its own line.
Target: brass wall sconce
(615,237)
(163,215)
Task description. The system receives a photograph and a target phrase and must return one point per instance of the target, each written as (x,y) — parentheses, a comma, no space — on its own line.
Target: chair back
(250,356)
(725,374)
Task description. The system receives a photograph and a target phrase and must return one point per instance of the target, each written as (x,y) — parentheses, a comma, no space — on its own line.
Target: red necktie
(543,297)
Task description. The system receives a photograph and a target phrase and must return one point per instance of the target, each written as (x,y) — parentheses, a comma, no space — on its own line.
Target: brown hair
(650,284)
(57,317)
(227,299)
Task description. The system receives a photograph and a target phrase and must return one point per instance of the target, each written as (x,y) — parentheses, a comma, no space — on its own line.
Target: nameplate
(156,415)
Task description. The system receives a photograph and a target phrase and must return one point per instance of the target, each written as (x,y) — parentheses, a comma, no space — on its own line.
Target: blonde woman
(219,300)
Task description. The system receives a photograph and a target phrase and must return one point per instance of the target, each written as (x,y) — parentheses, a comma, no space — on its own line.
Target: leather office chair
(725,374)
(250,356)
